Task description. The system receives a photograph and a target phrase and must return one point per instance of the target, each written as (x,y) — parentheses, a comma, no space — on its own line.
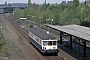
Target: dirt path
(18,47)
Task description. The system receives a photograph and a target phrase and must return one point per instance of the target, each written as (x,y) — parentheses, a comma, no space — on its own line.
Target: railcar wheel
(56,54)
(43,54)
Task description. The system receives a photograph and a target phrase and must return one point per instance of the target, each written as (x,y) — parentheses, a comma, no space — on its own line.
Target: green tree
(45,2)
(29,3)
(75,3)
(6,3)
(9,4)
(85,19)
(60,13)
(17,12)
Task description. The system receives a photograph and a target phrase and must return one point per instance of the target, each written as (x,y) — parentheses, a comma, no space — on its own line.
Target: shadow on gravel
(49,55)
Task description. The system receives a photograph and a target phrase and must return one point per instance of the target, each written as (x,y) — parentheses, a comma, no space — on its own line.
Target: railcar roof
(42,34)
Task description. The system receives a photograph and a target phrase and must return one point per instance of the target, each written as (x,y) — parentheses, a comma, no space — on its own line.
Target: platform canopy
(75,30)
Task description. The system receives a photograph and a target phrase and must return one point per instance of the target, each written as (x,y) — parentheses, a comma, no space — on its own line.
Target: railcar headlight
(44,48)
(54,47)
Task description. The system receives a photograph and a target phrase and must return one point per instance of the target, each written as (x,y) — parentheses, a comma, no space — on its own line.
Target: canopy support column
(61,37)
(70,41)
(85,53)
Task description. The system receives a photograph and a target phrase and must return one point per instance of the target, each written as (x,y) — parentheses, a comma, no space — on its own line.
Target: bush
(85,23)
(5,49)
(31,26)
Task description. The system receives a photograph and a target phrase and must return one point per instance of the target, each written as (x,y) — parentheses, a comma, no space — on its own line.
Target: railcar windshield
(45,43)
(54,42)
(49,43)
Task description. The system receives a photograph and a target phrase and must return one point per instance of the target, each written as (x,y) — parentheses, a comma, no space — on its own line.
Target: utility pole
(85,2)
(40,21)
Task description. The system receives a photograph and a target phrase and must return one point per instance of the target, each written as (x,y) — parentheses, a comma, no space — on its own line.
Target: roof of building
(42,34)
(75,30)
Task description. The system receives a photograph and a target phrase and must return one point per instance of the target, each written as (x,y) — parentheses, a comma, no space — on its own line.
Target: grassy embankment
(3,47)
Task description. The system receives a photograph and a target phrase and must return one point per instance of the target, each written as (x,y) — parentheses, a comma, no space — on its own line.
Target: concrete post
(61,37)
(70,41)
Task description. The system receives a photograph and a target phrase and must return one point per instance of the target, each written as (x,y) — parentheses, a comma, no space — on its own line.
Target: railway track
(21,31)
(17,27)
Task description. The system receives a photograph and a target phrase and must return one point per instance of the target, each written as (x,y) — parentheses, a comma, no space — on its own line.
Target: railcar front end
(49,47)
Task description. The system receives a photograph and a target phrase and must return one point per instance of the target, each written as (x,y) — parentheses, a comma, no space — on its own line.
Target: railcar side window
(54,42)
(45,43)
(31,35)
(40,41)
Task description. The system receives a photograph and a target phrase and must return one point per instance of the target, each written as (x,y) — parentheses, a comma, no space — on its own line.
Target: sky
(33,1)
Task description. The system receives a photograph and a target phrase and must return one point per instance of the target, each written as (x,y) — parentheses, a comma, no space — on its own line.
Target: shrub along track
(24,41)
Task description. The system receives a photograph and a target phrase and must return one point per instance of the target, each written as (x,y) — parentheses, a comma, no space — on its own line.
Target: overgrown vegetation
(31,26)
(62,14)
(3,47)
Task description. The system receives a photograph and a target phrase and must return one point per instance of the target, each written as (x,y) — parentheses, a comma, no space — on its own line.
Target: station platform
(73,54)
(76,53)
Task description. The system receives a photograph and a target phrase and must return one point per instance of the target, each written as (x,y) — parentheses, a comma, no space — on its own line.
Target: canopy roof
(75,30)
